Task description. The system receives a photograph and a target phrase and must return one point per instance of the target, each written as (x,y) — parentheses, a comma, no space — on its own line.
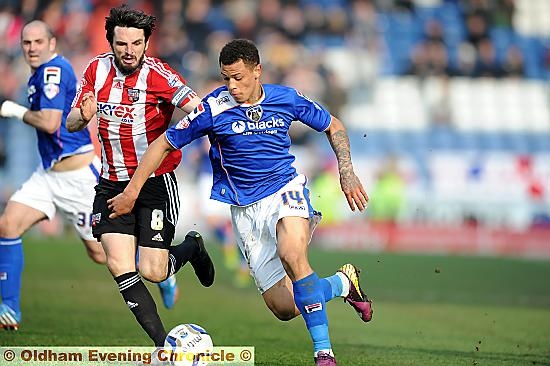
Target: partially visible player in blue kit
(247,124)
(68,171)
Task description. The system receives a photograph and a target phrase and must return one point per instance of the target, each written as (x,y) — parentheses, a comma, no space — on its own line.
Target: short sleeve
(52,86)
(87,84)
(311,113)
(196,124)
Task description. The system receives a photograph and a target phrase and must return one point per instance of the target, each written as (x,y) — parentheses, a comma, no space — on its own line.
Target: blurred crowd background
(446,102)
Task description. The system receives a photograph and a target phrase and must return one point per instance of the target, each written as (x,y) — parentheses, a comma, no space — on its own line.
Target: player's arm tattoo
(340,144)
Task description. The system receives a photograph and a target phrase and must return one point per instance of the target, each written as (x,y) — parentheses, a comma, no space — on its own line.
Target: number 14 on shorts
(292,196)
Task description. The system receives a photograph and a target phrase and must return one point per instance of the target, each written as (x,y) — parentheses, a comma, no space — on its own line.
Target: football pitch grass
(428,310)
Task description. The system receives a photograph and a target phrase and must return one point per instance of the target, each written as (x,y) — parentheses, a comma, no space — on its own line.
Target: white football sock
(345,284)
(327,351)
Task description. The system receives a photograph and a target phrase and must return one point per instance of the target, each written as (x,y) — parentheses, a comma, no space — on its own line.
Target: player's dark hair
(239,49)
(123,16)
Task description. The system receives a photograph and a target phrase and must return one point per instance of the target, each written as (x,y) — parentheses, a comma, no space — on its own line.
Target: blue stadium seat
(532,49)
(516,142)
(490,141)
(502,38)
(442,138)
(539,142)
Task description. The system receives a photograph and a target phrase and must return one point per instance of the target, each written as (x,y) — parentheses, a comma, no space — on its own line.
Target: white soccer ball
(184,344)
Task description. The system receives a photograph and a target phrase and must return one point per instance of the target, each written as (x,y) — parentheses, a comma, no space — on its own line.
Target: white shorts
(209,207)
(255,229)
(72,192)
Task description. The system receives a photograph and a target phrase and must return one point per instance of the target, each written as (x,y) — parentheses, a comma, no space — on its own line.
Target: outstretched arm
(124,202)
(47,120)
(351,185)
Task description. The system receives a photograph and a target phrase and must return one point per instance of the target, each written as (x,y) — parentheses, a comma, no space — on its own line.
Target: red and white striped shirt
(132,111)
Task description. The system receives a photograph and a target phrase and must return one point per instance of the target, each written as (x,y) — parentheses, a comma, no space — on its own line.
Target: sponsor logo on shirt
(222,100)
(52,74)
(254,128)
(262,125)
(238,127)
(124,112)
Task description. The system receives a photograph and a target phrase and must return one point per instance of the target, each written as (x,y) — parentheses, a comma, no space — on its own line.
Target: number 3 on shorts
(157,220)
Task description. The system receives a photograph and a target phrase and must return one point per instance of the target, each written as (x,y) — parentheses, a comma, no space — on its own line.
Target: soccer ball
(184,342)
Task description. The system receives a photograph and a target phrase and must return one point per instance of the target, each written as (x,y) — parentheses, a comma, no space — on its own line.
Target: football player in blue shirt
(67,174)
(247,124)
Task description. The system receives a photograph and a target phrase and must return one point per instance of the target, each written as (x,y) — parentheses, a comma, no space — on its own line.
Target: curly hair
(239,49)
(123,16)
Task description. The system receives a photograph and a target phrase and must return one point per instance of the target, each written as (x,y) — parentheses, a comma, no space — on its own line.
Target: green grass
(471,311)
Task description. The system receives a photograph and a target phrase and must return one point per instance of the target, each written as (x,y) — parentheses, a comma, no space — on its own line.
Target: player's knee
(152,274)
(9,228)
(119,267)
(97,256)
(290,259)
(3,226)
(295,264)
(282,307)
(284,313)
(95,251)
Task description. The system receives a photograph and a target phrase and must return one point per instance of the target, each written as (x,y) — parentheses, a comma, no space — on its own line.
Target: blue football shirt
(53,86)
(249,143)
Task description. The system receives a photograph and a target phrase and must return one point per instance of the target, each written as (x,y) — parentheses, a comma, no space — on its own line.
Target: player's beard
(127,70)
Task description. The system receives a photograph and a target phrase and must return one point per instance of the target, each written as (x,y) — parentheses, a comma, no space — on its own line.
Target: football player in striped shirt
(133,97)
(247,123)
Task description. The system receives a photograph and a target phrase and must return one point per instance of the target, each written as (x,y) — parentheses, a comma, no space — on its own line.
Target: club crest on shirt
(133,95)
(254,113)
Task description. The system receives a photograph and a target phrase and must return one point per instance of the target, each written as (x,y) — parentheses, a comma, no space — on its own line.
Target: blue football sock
(310,300)
(332,287)
(11,269)
(220,234)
